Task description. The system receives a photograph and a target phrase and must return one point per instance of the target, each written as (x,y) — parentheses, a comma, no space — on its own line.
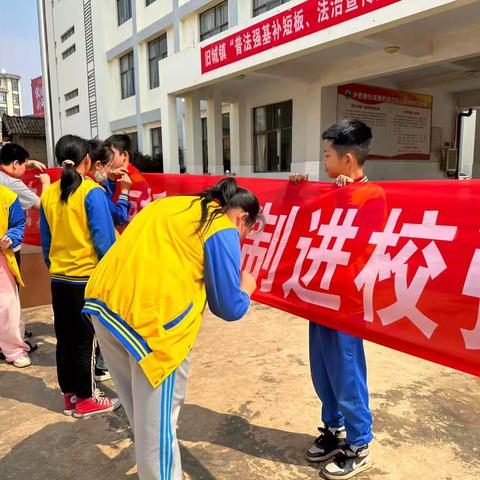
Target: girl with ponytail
(77,230)
(176,255)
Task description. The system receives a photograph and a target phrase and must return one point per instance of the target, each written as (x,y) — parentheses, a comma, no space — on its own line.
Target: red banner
(299,21)
(37,97)
(396,263)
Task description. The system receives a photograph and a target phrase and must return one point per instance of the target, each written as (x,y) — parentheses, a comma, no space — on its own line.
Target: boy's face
(118,159)
(335,164)
(18,169)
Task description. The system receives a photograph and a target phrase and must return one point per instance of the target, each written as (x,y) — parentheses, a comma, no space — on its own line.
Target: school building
(249,85)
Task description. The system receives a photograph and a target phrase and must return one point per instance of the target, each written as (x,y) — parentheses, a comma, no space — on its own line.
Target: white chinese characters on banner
(332,257)
(265,249)
(472,289)
(381,266)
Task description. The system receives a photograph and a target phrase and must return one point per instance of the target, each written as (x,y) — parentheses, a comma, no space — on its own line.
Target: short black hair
(11,152)
(350,136)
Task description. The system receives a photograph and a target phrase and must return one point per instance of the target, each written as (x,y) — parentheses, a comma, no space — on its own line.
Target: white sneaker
(22,362)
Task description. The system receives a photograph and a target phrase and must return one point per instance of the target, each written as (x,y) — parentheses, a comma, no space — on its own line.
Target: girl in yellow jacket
(12,225)
(77,230)
(146,300)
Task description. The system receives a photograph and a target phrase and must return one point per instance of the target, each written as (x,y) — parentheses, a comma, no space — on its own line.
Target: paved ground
(250,412)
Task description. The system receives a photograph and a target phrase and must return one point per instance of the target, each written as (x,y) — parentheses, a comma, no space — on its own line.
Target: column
(193,135)
(235,152)
(169,134)
(215,137)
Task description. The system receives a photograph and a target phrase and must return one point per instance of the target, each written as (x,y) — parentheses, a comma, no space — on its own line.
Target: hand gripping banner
(396,263)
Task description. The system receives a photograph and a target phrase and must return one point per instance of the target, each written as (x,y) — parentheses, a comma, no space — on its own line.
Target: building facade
(10,96)
(249,85)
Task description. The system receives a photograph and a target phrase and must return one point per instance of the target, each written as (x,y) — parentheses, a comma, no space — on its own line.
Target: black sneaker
(348,463)
(327,445)
(101,375)
(32,346)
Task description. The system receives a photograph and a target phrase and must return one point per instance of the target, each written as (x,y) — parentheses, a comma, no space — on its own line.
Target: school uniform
(339,374)
(148,318)
(12,224)
(75,236)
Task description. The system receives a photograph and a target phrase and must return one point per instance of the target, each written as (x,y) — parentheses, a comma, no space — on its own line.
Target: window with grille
(157,49)
(72,94)
(127,75)
(214,20)
(72,111)
(68,34)
(68,52)
(262,6)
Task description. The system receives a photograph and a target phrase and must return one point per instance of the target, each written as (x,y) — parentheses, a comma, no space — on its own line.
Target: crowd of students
(144,310)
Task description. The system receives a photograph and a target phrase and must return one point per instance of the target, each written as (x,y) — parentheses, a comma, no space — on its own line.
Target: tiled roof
(23,125)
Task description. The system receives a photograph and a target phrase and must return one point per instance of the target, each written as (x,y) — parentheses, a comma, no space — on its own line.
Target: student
(12,225)
(102,157)
(77,230)
(13,164)
(123,157)
(146,332)
(337,360)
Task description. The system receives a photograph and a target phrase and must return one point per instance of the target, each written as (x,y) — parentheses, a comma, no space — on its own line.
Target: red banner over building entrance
(299,21)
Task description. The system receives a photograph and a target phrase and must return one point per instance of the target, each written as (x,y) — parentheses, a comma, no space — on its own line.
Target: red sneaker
(95,405)
(69,403)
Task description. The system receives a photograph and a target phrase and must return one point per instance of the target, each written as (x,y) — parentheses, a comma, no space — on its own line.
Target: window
(204,145)
(226,141)
(127,75)
(72,111)
(68,34)
(214,20)
(156,136)
(157,49)
(14,85)
(124,11)
(16,99)
(262,6)
(16,112)
(69,51)
(3,97)
(2,111)
(72,94)
(134,139)
(272,137)
(149,2)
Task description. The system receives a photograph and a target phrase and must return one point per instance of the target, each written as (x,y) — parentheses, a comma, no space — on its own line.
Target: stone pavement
(250,412)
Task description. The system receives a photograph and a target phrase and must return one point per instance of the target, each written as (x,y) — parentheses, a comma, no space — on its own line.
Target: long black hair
(228,195)
(70,152)
(99,151)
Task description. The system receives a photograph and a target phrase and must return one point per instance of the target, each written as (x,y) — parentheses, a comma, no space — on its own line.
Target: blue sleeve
(110,186)
(118,211)
(46,237)
(16,223)
(222,276)
(100,221)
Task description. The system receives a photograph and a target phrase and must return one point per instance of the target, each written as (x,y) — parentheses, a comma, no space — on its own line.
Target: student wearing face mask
(102,157)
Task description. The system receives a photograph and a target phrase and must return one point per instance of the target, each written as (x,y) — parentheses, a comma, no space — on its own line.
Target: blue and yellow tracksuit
(119,209)
(12,224)
(151,288)
(77,234)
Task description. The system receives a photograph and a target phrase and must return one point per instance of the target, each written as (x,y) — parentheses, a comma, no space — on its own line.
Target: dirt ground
(250,413)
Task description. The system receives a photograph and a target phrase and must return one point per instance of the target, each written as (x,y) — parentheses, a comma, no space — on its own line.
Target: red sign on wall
(37,97)
(304,19)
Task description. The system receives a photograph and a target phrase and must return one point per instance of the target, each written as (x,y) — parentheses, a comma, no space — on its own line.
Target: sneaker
(348,463)
(69,402)
(101,375)
(327,445)
(22,362)
(95,405)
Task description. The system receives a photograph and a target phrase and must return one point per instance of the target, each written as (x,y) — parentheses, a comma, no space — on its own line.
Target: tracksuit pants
(339,374)
(152,413)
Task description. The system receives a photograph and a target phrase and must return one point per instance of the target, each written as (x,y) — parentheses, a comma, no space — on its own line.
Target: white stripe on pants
(12,326)
(153,413)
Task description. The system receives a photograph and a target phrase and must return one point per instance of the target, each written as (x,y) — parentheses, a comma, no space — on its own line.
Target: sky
(20,45)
